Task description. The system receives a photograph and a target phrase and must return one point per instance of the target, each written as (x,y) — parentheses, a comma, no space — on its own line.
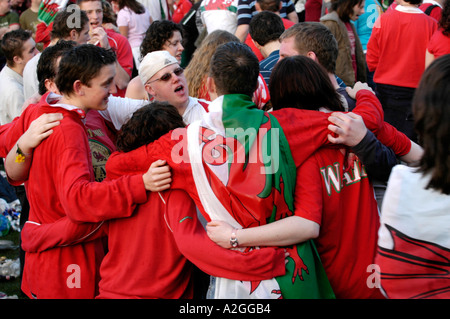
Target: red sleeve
(123,51)
(373,49)
(369,107)
(4,145)
(196,246)
(43,33)
(39,237)
(308,200)
(306,131)
(82,199)
(396,140)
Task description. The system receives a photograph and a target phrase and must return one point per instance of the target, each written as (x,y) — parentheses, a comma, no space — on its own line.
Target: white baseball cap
(153,62)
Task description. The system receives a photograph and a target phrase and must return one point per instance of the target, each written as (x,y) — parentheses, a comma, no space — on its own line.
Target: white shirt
(194,111)
(11,95)
(154,8)
(30,80)
(219,15)
(413,210)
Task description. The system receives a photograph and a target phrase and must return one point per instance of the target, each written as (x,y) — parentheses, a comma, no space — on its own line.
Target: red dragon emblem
(414,268)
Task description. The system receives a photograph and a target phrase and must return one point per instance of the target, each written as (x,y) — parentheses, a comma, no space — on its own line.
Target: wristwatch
(233,240)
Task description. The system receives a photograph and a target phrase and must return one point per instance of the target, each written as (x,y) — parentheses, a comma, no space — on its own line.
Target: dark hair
(83,63)
(133,5)
(235,69)
(147,124)
(344,8)
(266,27)
(315,37)
(61,29)
(299,82)
(79,2)
(46,67)
(414,1)
(12,44)
(432,122)
(157,34)
(109,16)
(269,5)
(444,22)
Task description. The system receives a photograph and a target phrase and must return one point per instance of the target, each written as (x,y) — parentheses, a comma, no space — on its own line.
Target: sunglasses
(167,76)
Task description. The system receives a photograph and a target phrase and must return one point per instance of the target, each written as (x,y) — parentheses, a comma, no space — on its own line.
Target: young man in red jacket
(61,179)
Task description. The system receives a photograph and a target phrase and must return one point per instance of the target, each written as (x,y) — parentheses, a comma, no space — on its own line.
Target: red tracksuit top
(61,184)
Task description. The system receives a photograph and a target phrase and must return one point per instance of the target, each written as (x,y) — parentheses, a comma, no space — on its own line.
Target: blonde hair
(198,68)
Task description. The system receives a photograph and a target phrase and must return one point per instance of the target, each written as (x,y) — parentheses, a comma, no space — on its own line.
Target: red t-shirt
(343,204)
(397,46)
(439,44)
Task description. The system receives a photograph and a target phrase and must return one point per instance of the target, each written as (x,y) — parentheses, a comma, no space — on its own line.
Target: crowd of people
(228,149)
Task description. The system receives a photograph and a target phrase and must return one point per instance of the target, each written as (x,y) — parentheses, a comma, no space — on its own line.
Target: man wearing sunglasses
(163,78)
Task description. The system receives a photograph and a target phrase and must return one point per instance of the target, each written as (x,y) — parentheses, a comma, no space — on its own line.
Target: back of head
(299,82)
(157,34)
(47,64)
(432,122)
(148,124)
(12,44)
(266,27)
(83,63)
(315,37)
(269,5)
(66,20)
(235,69)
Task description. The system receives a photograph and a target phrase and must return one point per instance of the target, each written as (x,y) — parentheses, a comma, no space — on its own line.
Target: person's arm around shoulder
(194,244)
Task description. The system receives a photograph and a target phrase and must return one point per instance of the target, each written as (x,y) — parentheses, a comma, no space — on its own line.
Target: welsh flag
(245,175)
(49,8)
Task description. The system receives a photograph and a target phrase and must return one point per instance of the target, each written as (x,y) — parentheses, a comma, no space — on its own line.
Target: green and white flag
(244,174)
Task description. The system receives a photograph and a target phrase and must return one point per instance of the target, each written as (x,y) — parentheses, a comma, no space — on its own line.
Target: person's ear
(149,89)
(312,56)
(78,88)
(256,44)
(17,60)
(211,87)
(51,86)
(73,34)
